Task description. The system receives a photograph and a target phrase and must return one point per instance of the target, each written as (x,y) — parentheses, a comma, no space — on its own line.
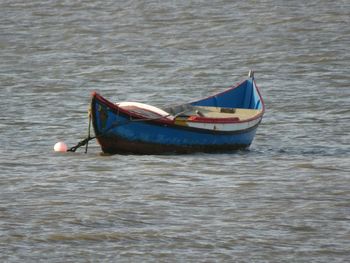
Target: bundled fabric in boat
(222,122)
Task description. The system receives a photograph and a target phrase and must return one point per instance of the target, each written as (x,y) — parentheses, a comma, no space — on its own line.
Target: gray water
(286,199)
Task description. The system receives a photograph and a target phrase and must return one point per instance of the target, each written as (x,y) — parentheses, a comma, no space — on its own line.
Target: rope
(81,143)
(87,143)
(115,124)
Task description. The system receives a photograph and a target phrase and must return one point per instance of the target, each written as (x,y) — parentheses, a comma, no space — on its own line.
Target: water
(285,200)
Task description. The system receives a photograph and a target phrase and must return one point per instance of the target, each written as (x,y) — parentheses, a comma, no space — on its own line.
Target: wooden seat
(217,112)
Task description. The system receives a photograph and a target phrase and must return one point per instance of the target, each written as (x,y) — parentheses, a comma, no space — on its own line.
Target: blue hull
(118,131)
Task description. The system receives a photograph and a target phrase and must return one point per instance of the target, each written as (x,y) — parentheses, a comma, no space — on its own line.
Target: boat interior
(242,102)
(187,110)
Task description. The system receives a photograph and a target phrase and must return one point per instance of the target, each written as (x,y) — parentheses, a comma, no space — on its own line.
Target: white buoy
(60,147)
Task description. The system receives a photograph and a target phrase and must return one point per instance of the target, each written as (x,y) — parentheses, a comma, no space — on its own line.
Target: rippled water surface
(286,199)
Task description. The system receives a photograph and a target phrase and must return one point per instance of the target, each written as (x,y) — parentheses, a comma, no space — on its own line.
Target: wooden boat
(223,122)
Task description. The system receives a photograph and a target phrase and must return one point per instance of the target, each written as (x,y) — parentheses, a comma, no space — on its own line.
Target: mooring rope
(87,143)
(81,143)
(115,124)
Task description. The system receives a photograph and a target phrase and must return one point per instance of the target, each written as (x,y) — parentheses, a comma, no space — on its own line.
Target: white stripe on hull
(224,126)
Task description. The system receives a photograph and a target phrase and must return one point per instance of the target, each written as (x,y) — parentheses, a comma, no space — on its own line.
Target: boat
(224,122)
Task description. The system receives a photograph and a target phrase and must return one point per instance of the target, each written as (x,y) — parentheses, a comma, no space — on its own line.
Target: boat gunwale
(168,121)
